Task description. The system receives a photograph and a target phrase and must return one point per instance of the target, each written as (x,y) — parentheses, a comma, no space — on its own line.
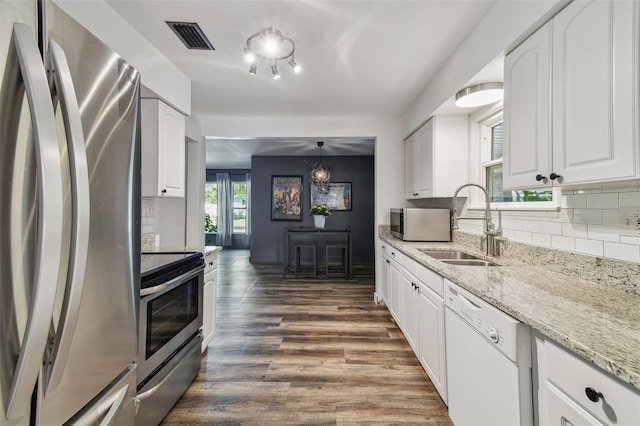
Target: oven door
(170,313)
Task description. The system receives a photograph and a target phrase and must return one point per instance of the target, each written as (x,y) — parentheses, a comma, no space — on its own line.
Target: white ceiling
(236,153)
(361,57)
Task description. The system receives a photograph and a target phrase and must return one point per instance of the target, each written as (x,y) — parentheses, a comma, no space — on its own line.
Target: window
(490,133)
(211,207)
(239,208)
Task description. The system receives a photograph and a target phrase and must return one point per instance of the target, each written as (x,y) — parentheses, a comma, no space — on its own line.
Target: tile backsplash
(602,221)
(147,223)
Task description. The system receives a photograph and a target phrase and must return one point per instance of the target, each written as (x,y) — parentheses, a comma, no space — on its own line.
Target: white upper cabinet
(163,150)
(590,51)
(436,158)
(527,114)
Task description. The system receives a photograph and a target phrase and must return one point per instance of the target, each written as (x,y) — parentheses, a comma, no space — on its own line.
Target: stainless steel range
(170,333)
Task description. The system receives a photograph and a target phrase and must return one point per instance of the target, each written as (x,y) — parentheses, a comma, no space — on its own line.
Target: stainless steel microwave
(414,224)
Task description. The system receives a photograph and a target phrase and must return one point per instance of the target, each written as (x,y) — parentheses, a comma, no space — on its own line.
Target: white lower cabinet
(410,294)
(572,391)
(417,306)
(382,279)
(209,298)
(395,293)
(431,343)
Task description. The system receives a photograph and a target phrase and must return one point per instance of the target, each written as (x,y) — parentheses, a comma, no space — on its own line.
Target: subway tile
(590,189)
(602,201)
(543,240)
(631,186)
(566,215)
(574,201)
(577,230)
(630,239)
(522,237)
(589,216)
(509,234)
(563,243)
(516,224)
(553,228)
(628,252)
(603,233)
(629,199)
(531,226)
(611,216)
(592,247)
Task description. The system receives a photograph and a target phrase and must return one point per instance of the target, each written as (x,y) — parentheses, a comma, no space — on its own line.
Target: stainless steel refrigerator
(69,227)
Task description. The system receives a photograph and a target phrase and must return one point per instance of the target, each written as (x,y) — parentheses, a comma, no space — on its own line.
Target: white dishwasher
(488,363)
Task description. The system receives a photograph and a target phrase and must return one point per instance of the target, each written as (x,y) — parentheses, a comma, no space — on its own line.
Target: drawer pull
(593,394)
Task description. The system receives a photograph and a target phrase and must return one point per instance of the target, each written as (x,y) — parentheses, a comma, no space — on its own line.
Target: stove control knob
(493,335)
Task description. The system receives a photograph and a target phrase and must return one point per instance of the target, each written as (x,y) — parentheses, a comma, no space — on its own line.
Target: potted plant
(210,231)
(319,212)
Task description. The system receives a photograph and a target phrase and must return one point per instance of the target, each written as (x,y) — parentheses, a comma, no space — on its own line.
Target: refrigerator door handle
(112,415)
(81,214)
(50,214)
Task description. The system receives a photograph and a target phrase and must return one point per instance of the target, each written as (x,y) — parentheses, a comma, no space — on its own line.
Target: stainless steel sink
(468,262)
(459,258)
(447,254)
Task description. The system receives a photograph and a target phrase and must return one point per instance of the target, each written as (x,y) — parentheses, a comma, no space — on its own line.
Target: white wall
(389,161)
(158,74)
(505,24)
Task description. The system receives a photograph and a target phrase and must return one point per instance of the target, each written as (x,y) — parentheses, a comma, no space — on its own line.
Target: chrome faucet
(489,230)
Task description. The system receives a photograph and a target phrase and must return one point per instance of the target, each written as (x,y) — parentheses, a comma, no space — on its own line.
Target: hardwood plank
(304,352)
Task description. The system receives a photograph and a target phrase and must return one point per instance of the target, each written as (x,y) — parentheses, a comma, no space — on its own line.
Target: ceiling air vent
(191,35)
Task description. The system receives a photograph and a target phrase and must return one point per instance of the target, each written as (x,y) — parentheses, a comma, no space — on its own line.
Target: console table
(303,233)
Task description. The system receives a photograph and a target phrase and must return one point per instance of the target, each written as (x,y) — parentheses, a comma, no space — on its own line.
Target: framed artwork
(336,197)
(286,198)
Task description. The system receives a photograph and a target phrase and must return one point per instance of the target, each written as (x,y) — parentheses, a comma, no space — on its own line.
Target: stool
(343,268)
(297,269)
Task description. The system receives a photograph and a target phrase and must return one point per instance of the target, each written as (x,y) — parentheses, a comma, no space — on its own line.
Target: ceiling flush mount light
(320,173)
(271,46)
(479,94)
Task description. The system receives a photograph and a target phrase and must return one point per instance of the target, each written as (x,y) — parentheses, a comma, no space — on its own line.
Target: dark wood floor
(304,352)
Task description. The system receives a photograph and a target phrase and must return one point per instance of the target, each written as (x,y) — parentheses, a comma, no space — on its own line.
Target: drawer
(562,410)
(210,262)
(394,254)
(620,403)
(431,279)
(384,247)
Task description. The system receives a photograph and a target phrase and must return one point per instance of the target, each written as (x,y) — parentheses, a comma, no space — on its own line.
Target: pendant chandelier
(270,46)
(320,173)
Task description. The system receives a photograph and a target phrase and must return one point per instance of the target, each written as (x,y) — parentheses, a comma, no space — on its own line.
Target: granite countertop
(211,249)
(599,323)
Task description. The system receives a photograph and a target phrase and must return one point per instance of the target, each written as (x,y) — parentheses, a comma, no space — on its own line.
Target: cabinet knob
(554,176)
(541,178)
(210,263)
(164,191)
(593,394)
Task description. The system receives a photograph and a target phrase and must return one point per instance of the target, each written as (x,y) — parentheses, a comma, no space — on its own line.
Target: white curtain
(248,180)
(225,209)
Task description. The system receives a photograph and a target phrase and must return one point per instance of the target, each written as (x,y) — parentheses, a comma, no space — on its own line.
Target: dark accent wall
(266,235)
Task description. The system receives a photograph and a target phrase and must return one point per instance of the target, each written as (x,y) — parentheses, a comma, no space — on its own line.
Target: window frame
(480,123)
(234,208)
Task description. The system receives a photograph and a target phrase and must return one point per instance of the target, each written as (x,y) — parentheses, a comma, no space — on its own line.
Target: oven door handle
(171,284)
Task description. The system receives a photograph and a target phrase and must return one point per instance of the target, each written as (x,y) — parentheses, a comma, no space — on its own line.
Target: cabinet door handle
(554,176)
(541,178)
(593,394)
(164,191)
